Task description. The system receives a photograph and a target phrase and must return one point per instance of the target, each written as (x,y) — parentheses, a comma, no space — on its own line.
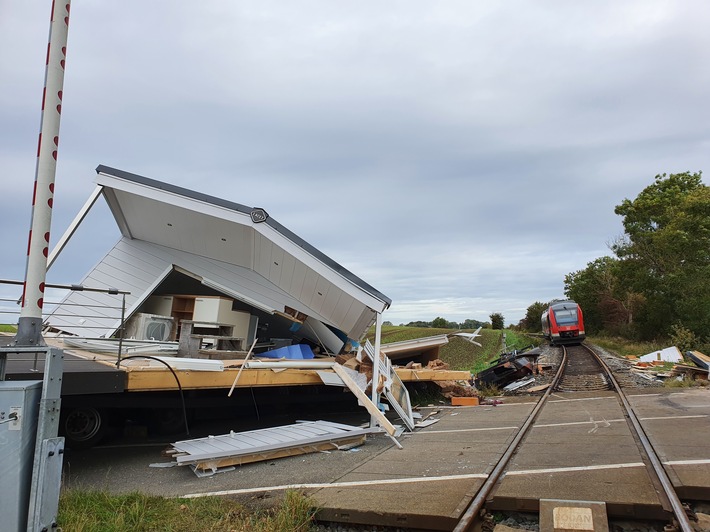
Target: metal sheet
(264,440)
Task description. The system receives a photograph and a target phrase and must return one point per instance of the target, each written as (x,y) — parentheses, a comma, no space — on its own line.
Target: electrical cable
(182,396)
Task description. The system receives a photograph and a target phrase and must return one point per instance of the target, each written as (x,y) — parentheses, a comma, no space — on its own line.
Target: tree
(419,324)
(497,320)
(665,253)
(533,317)
(471,324)
(439,323)
(597,290)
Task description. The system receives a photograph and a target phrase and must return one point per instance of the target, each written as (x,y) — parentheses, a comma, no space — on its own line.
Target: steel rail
(468,518)
(657,467)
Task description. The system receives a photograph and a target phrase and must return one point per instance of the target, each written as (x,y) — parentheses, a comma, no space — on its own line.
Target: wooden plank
(414,375)
(283,453)
(364,399)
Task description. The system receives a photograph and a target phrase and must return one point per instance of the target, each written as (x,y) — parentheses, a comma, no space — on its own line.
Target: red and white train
(562,323)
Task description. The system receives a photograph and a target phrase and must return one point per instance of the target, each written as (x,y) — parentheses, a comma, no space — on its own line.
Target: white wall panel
(287,269)
(309,287)
(299,277)
(277,259)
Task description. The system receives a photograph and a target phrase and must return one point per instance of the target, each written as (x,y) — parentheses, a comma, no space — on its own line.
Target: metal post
(30,321)
(49,449)
(121,330)
(376,366)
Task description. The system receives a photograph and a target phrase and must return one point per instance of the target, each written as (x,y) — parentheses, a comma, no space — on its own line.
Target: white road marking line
(337,485)
(687,462)
(446,431)
(435,479)
(672,417)
(571,469)
(606,423)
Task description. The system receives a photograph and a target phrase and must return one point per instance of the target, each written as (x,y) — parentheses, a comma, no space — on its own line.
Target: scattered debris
(701,360)
(451,389)
(469,337)
(519,384)
(437,364)
(669,354)
(422,424)
(509,367)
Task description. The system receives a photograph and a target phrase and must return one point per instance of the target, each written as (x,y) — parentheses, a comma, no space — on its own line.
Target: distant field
(7,328)
(459,353)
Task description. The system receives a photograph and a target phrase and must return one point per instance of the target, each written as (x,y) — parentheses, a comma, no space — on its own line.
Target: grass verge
(623,347)
(98,511)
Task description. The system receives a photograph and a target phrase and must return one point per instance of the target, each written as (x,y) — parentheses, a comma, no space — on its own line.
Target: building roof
(238,250)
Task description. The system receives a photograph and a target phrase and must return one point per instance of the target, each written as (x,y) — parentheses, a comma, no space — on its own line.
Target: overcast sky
(461,157)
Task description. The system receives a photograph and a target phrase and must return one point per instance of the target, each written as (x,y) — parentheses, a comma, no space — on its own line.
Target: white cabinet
(212,309)
(219,310)
(160,305)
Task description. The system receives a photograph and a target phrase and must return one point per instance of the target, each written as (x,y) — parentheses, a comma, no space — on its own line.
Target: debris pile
(668,363)
(514,369)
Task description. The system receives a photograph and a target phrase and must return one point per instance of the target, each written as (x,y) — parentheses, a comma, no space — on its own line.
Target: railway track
(583,370)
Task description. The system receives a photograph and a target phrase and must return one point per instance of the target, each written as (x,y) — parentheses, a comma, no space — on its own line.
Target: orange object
(464,401)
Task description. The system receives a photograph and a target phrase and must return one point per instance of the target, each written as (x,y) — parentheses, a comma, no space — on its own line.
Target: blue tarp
(294,352)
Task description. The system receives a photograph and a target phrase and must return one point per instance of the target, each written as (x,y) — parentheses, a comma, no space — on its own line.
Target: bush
(684,339)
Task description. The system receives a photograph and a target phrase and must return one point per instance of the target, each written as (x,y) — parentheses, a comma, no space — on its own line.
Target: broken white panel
(395,391)
(469,337)
(669,354)
(331,379)
(519,384)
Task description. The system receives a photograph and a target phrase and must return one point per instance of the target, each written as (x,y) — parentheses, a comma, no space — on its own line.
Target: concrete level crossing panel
(580,448)
(678,426)
(430,482)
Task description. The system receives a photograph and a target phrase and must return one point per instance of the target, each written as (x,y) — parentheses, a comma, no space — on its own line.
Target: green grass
(5,328)
(460,354)
(624,347)
(98,511)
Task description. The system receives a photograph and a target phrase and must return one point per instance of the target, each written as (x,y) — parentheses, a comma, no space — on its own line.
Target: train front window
(566,316)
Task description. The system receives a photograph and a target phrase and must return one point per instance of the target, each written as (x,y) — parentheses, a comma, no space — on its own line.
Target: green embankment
(459,353)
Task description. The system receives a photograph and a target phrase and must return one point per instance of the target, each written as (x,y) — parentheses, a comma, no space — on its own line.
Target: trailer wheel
(83,427)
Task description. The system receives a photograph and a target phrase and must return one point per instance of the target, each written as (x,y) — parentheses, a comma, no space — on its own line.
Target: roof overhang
(237,242)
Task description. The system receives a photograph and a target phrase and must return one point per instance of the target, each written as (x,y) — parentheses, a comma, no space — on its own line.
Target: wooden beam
(414,375)
(150,379)
(365,400)
(159,378)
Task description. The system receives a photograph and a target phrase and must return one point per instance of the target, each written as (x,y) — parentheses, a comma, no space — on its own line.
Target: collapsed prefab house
(197,277)
(193,257)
